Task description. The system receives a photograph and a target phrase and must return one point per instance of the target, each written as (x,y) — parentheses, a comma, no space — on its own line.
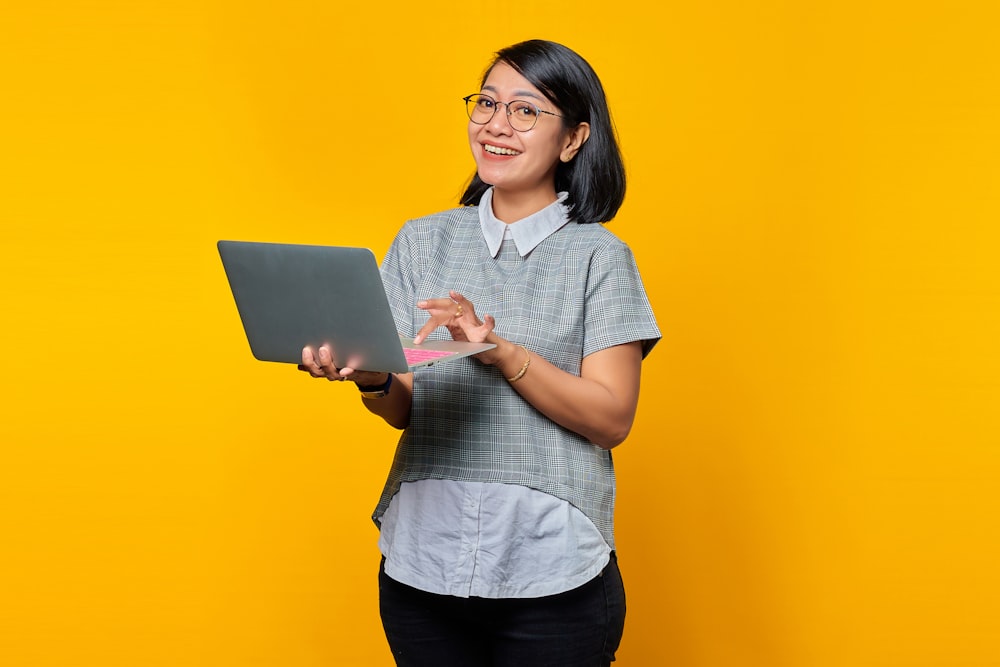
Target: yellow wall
(814,201)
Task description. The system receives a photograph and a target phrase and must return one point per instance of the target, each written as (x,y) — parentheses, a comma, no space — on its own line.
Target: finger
(478,332)
(463,306)
(325,364)
(437,306)
(442,312)
(310,363)
(424,331)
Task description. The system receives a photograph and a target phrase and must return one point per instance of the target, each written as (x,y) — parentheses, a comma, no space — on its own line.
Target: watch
(378,391)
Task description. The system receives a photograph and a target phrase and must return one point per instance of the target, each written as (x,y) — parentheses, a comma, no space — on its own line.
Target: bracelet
(524,368)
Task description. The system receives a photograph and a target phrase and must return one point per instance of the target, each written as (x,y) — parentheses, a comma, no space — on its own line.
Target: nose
(500,123)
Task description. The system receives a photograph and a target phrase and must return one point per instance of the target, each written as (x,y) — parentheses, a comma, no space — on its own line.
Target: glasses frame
(496,106)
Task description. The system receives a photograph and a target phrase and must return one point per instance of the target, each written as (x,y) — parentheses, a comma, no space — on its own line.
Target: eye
(523,109)
(485,103)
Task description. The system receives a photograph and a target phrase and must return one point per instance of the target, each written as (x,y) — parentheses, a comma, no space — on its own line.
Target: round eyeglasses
(521,115)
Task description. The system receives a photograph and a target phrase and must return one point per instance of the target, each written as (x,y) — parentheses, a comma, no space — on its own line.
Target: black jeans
(578,628)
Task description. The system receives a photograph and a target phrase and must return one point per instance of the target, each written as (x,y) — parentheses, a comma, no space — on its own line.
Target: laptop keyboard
(416,355)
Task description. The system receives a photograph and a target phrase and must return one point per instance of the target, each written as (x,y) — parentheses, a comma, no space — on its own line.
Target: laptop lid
(290,296)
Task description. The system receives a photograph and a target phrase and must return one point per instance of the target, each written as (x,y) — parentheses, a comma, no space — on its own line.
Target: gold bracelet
(524,368)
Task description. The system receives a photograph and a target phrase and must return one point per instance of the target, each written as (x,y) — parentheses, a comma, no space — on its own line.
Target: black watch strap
(378,391)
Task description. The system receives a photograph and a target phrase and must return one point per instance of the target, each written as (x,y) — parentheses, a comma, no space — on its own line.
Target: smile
(497,150)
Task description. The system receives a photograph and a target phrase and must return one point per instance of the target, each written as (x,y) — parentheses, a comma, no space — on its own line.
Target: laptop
(290,296)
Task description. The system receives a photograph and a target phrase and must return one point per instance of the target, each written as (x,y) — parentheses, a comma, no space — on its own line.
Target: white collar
(527,232)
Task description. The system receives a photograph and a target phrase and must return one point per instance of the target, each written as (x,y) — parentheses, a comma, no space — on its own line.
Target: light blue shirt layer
(475,539)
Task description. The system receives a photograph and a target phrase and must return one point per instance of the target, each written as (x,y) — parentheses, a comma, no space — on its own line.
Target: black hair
(595,177)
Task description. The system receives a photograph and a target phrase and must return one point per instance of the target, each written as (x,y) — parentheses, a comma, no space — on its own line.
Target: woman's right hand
(319,364)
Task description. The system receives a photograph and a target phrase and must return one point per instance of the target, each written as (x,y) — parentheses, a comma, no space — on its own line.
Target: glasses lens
(480,108)
(522,115)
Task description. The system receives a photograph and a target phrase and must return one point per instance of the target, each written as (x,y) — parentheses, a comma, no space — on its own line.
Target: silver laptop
(290,296)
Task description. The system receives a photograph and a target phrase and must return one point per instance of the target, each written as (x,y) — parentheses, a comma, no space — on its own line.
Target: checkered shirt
(576,293)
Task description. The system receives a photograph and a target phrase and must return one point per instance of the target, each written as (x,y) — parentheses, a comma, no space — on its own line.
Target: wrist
(504,356)
(377,390)
(525,361)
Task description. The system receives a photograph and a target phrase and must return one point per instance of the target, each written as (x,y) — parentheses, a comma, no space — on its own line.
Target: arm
(599,404)
(394,407)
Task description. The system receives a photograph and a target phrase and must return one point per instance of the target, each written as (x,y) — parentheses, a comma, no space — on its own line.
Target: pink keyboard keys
(416,355)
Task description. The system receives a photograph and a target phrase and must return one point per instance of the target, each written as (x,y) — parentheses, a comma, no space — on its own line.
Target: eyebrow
(519,93)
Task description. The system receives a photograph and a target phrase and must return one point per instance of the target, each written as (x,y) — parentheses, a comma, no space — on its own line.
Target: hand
(458,315)
(319,364)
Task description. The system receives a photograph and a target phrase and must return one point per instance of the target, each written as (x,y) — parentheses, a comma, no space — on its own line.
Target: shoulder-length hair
(595,177)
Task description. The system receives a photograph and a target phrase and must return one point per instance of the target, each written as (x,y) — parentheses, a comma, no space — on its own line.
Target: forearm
(395,406)
(599,404)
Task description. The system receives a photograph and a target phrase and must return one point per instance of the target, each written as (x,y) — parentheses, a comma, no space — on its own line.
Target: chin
(497,173)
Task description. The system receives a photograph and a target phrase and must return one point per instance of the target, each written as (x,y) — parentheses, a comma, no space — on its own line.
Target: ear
(575,138)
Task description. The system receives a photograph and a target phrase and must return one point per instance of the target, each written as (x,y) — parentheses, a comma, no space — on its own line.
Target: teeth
(497,150)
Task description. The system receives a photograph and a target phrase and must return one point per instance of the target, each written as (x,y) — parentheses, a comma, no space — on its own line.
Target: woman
(497,517)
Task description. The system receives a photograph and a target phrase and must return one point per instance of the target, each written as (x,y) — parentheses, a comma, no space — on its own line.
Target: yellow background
(814,199)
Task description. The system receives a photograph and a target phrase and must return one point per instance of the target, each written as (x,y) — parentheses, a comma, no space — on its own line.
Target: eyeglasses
(521,115)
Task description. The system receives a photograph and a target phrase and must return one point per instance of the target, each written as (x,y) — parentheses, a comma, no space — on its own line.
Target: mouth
(499,150)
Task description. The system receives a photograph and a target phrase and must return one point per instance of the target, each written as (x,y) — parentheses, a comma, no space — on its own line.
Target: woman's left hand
(458,315)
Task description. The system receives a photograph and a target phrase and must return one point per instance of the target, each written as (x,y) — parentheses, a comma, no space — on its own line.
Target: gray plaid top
(576,293)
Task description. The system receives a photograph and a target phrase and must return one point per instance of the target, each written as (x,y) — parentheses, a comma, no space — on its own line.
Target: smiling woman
(514,152)
(589,164)
(813,198)
(508,451)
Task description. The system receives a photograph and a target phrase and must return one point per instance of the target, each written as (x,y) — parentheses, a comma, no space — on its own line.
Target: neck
(510,207)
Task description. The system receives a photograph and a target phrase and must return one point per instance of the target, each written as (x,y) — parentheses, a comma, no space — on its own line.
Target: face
(522,164)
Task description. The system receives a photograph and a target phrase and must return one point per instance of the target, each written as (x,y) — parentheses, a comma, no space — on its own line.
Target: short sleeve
(617,307)
(399,277)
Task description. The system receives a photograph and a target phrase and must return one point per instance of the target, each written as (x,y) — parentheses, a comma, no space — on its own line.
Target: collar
(527,232)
